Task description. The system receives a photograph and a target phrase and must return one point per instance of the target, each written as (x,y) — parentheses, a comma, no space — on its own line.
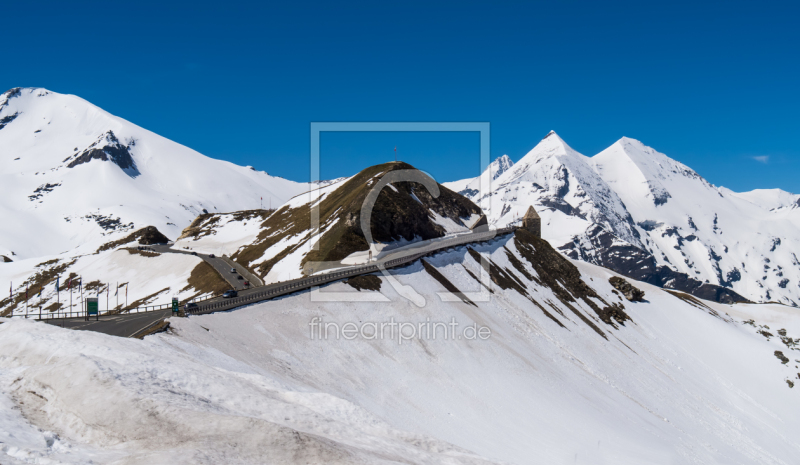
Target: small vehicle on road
(190,306)
(229,294)
(211,255)
(239,277)
(247,284)
(194,253)
(233,270)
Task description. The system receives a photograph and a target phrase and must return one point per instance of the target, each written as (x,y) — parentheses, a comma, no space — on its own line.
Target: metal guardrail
(46,315)
(289,287)
(271,291)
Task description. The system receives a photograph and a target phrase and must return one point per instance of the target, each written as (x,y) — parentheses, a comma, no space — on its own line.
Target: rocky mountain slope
(278,246)
(71,174)
(638,212)
(565,370)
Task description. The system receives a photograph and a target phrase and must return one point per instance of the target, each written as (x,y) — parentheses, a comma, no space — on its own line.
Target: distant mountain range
(74,177)
(640,213)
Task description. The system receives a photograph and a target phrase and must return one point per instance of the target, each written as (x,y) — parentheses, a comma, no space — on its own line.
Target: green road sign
(175,305)
(91,306)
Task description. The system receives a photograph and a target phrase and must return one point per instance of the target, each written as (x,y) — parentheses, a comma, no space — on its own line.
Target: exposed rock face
(107,148)
(7,119)
(402,212)
(150,236)
(601,248)
(631,292)
(369,282)
(4,259)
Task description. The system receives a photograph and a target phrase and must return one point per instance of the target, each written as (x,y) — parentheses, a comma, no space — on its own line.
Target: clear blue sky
(712,84)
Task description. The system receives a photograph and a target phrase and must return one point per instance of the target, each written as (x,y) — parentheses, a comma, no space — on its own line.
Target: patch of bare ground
(204,279)
(631,292)
(446,283)
(143,253)
(507,280)
(401,212)
(46,274)
(784,360)
(144,301)
(564,279)
(694,301)
(204,224)
(146,235)
(159,327)
(369,282)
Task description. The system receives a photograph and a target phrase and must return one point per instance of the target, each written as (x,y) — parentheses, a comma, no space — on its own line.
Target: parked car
(233,270)
(211,255)
(190,306)
(229,294)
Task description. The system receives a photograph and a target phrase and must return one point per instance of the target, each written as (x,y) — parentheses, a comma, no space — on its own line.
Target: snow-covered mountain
(569,372)
(499,166)
(279,246)
(643,214)
(72,174)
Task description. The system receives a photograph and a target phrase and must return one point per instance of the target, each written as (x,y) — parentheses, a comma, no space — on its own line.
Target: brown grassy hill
(404,211)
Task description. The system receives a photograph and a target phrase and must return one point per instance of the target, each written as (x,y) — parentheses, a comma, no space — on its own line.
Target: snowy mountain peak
(78,175)
(552,144)
(500,166)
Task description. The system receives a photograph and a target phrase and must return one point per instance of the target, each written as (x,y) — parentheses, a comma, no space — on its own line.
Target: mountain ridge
(72,173)
(638,212)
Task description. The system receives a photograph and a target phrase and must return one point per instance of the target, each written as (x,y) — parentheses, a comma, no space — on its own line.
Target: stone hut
(532,222)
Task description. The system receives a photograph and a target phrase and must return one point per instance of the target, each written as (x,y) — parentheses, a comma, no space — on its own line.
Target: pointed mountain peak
(551,145)
(628,143)
(499,166)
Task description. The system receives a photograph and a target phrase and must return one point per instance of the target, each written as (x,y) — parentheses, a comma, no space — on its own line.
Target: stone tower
(532,222)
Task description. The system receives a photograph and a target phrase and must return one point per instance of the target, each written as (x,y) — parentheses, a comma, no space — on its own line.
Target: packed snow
(679,383)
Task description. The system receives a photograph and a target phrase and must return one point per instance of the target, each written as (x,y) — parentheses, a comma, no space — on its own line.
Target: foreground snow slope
(71,173)
(638,212)
(680,382)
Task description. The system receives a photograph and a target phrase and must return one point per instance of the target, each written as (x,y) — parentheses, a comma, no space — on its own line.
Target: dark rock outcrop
(640,265)
(369,282)
(4,259)
(107,148)
(150,236)
(4,121)
(631,292)
(146,236)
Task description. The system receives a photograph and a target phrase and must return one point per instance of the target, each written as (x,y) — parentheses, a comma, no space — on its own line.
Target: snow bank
(679,383)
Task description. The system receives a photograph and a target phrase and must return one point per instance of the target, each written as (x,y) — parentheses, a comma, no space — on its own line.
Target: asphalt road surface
(123,325)
(222,267)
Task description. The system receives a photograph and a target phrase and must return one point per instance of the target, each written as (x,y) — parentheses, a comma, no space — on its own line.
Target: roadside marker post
(175,306)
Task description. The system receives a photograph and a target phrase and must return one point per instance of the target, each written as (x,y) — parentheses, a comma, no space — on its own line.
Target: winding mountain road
(135,324)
